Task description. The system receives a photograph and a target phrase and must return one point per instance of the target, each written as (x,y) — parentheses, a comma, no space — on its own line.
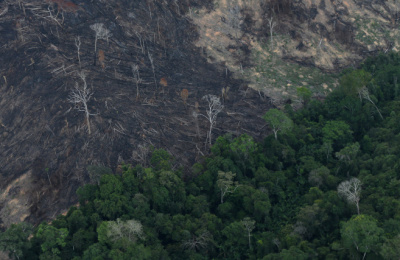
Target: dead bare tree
(214,107)
(351,191)
(141,42)
(226,184)
(80,97)
(132,230)
(102,33)
(142,155)
(272,25)
(152,67)
(364,94)
(248,225)
(196,243)
(136,75)
(52,17)
(78,46)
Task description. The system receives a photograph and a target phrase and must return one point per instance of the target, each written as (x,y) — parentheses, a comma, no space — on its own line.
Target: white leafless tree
(141,155)
(248,225)
(195,243)
(136,75)
(214,108)
(80,97)
(225,183)
(141,42)
(133,230)
(272,25)
(152,67)
(53,17)
(101,33)
(351,191)
(364,94)
(130,229)
(78,47)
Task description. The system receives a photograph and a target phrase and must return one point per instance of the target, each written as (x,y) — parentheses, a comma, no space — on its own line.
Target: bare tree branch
(272,25)
(78,46)
(196,243)
(214,108)
(351,190)
(80,97)
(364,94)
(138,80)
(101,33)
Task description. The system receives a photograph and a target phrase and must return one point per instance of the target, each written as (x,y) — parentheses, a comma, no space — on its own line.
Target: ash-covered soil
(45,140)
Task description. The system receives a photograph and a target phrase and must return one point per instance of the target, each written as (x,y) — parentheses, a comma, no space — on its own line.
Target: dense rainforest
(324,185)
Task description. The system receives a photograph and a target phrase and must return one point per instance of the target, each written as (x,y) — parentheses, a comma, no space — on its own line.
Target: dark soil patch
(44,132)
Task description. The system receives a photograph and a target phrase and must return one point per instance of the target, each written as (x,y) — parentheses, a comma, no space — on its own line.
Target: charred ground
(46,139)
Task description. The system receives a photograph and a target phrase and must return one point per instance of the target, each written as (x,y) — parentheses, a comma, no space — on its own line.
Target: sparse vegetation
(281,79)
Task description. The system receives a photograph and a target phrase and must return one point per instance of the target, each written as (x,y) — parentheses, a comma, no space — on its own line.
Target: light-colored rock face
(16,200)
(325,34)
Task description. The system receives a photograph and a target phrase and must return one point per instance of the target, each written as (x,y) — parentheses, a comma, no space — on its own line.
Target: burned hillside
(135,61)
(101,82)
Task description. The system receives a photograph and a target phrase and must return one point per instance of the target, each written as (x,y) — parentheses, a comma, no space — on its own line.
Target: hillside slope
(139,60)
(263,42)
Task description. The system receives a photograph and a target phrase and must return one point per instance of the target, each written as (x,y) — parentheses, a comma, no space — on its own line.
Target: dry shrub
(184,95)
(163,82)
